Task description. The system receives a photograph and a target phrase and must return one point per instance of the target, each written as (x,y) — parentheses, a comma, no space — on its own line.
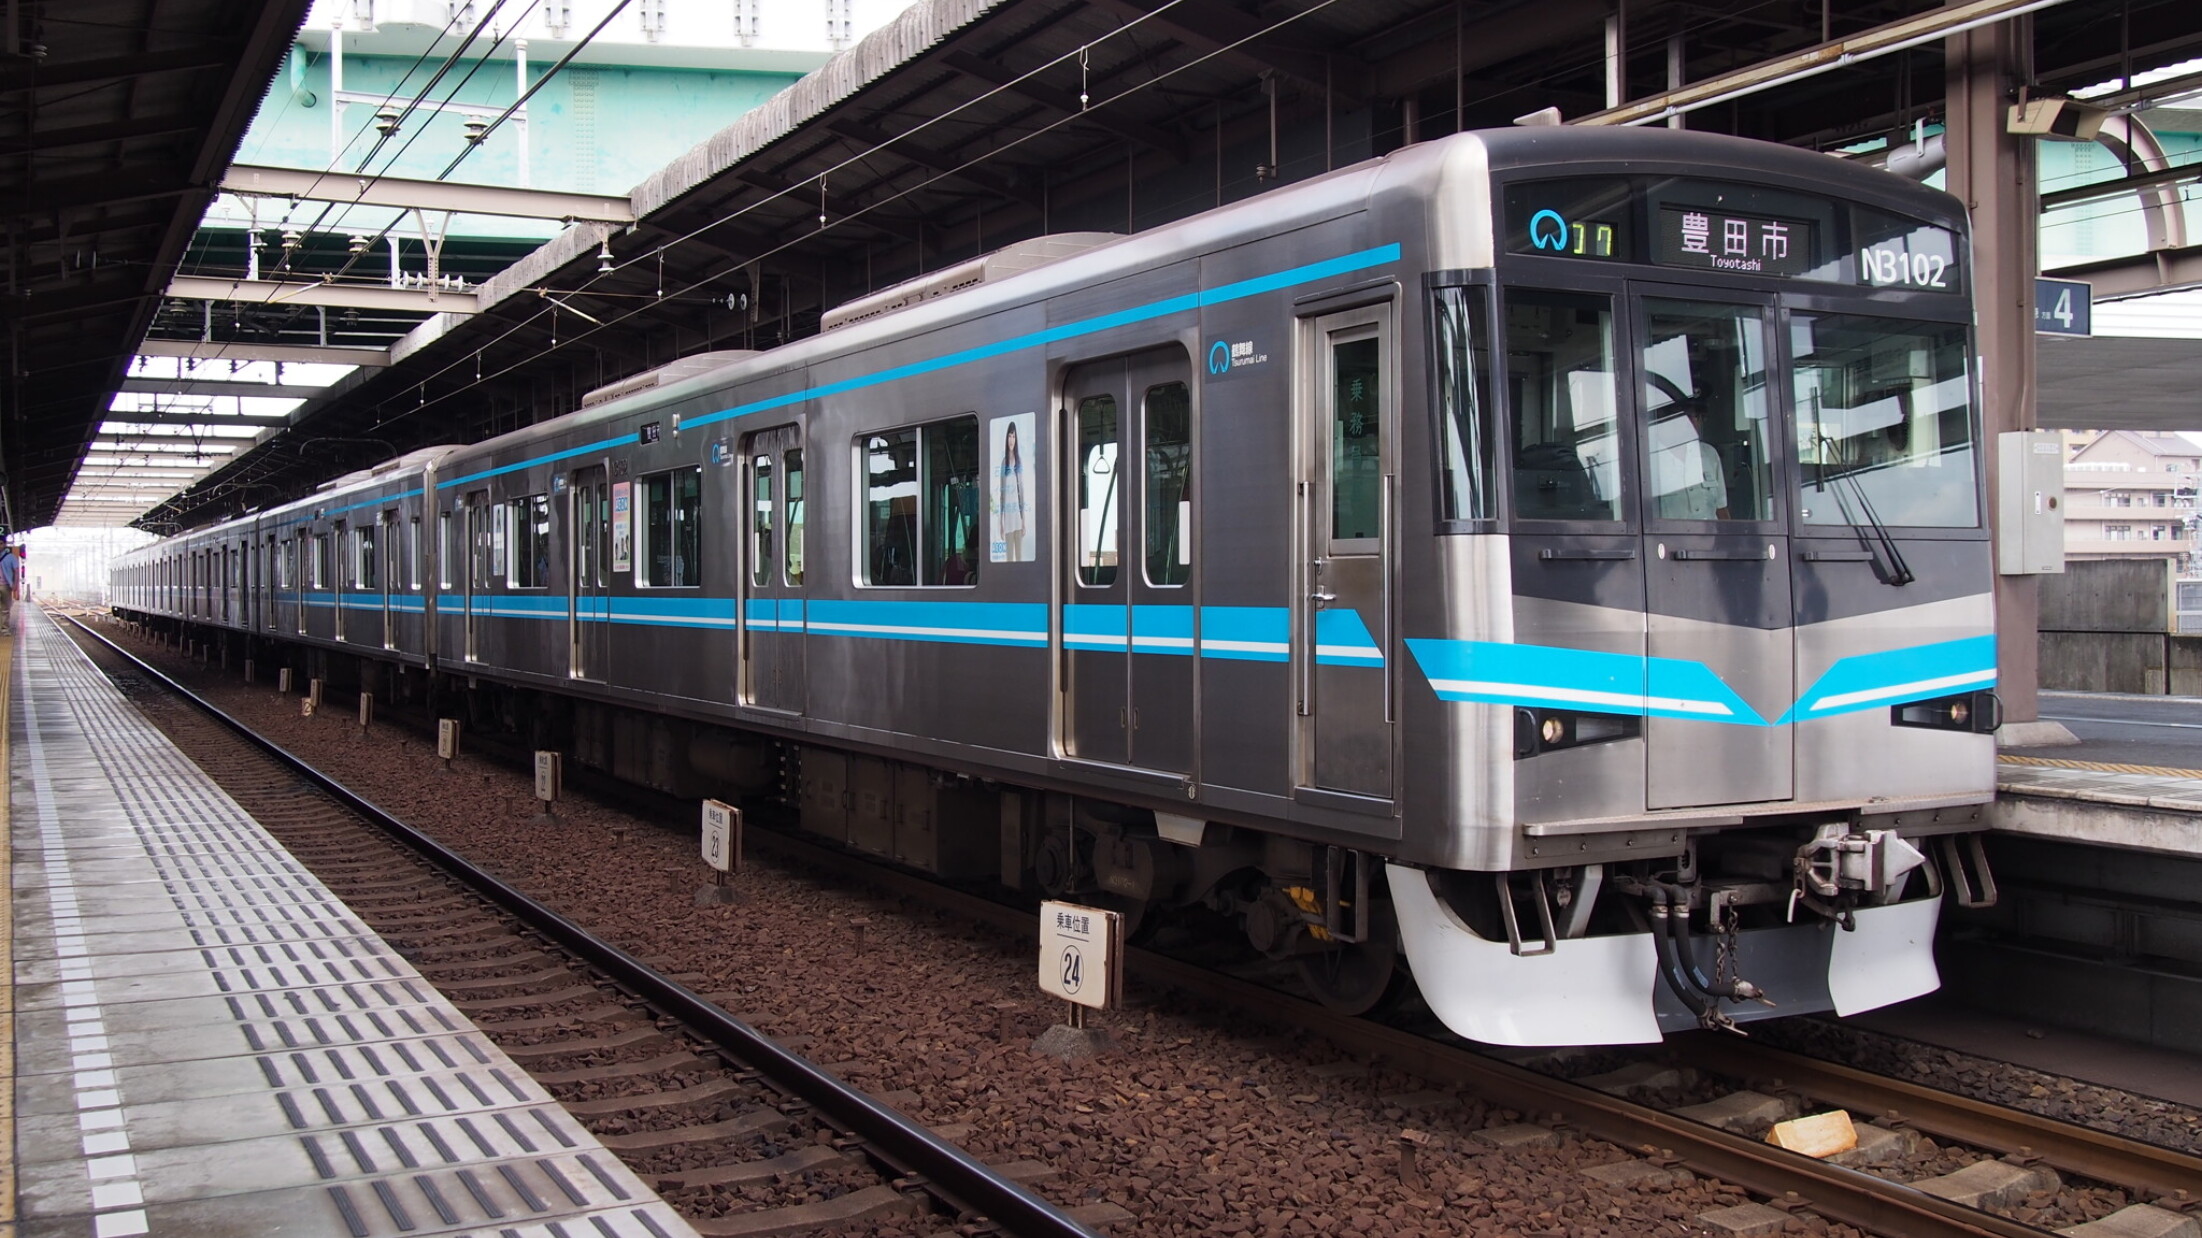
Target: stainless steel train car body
(1270,620)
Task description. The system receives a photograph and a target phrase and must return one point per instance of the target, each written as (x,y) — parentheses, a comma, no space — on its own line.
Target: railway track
(741,1134)
(1667,1140)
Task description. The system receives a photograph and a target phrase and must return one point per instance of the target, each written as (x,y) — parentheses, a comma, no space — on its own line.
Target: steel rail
(1878,1205)
(942,1168)
(2080,1150)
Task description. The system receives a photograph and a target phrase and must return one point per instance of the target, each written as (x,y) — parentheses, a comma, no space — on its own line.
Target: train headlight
(1546,730)
(1978,712)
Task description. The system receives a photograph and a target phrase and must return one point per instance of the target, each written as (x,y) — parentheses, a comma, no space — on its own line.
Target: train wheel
(1359,977)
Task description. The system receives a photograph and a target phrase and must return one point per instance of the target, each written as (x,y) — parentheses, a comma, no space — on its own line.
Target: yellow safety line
(2106,767)
(7,950)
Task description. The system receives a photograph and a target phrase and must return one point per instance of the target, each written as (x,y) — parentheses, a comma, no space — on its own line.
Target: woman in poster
(1009,497)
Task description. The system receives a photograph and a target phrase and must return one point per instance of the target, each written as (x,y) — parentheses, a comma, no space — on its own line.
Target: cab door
(1342,622)
(774,498)
(1719,631)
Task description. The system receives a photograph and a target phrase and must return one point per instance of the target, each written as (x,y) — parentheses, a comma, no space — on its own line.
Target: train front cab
(1725,423)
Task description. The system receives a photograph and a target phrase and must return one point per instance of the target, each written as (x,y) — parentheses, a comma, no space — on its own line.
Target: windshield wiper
(1872,534)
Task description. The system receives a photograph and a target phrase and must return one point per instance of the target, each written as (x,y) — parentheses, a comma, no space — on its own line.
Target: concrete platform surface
(206,1041)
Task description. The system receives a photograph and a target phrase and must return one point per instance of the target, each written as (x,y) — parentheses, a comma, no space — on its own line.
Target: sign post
(447,741)
(722,850)
(1082,962)
(549,781)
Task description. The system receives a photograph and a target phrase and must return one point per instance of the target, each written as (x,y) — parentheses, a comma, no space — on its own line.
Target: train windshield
(1883,415)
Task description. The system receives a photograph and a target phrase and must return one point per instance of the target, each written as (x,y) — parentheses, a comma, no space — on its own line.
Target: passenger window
(760,520)
(1467,489)
(1169,516)
(1097,439)
(1884,421)
(1356,448)
(1560,374)
(530,543)
(1707,449)
(792,546)
(922,504)
(672,530)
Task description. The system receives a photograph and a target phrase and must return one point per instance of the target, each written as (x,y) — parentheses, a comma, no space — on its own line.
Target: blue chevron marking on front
(1584,679)
(1895,676)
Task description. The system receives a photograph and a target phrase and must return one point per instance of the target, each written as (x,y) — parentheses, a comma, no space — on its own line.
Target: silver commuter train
(1546,561)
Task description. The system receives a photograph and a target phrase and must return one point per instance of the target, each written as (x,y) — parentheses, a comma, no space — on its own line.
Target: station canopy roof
(965,125)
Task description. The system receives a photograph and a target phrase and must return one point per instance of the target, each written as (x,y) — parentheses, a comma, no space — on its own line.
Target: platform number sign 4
(1081,954)
(2064,307)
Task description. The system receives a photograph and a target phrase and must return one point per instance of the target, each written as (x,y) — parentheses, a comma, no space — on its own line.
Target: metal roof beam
(279,294)
(244,350)
(406,193)
(1241,37)
(2142,275)
(1931,26)
(217,386)
(993,74)
(875,140)
(221,54)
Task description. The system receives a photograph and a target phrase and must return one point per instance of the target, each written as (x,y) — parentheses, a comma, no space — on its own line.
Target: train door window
(530,543)
(323,562)
(482,541)
(890,462)
(366,565)
(449,553)
(1884,421)
(1097,531)
(760,519)
(1560,373)
(672,529)
(1708,450)
(1467,484)
(951,525)
(1356,445)
(792,545)
(588,539)
(1169,484)
(412,554)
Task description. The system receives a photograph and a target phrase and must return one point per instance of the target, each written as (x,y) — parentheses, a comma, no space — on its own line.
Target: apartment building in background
(2130,494)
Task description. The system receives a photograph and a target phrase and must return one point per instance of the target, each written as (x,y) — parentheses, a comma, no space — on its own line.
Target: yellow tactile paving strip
(7,957)
(2105,767)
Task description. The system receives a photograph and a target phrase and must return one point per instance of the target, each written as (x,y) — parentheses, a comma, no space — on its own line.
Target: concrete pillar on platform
(1993,172)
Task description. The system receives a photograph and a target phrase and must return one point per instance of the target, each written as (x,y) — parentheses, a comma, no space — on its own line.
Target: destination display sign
(1729,228)
(1716,240)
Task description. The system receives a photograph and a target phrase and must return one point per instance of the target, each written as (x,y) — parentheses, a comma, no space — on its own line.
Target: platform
(2133,781)
(207,1042)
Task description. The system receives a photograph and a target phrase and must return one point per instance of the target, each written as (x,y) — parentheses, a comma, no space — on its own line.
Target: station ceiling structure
(117,117)
(969,124)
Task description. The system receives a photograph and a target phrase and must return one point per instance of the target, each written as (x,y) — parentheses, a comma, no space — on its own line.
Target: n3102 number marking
(1894,266)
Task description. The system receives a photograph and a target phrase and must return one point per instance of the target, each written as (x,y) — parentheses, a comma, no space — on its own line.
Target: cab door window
(1561,377)
(1708,449)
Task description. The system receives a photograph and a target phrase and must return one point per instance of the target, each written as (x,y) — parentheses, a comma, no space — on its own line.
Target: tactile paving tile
(263,1059)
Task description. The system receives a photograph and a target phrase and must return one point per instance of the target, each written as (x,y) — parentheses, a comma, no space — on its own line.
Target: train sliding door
(772,569)
(1717,572)
(1342,637)
(589,574)
(1128,622)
